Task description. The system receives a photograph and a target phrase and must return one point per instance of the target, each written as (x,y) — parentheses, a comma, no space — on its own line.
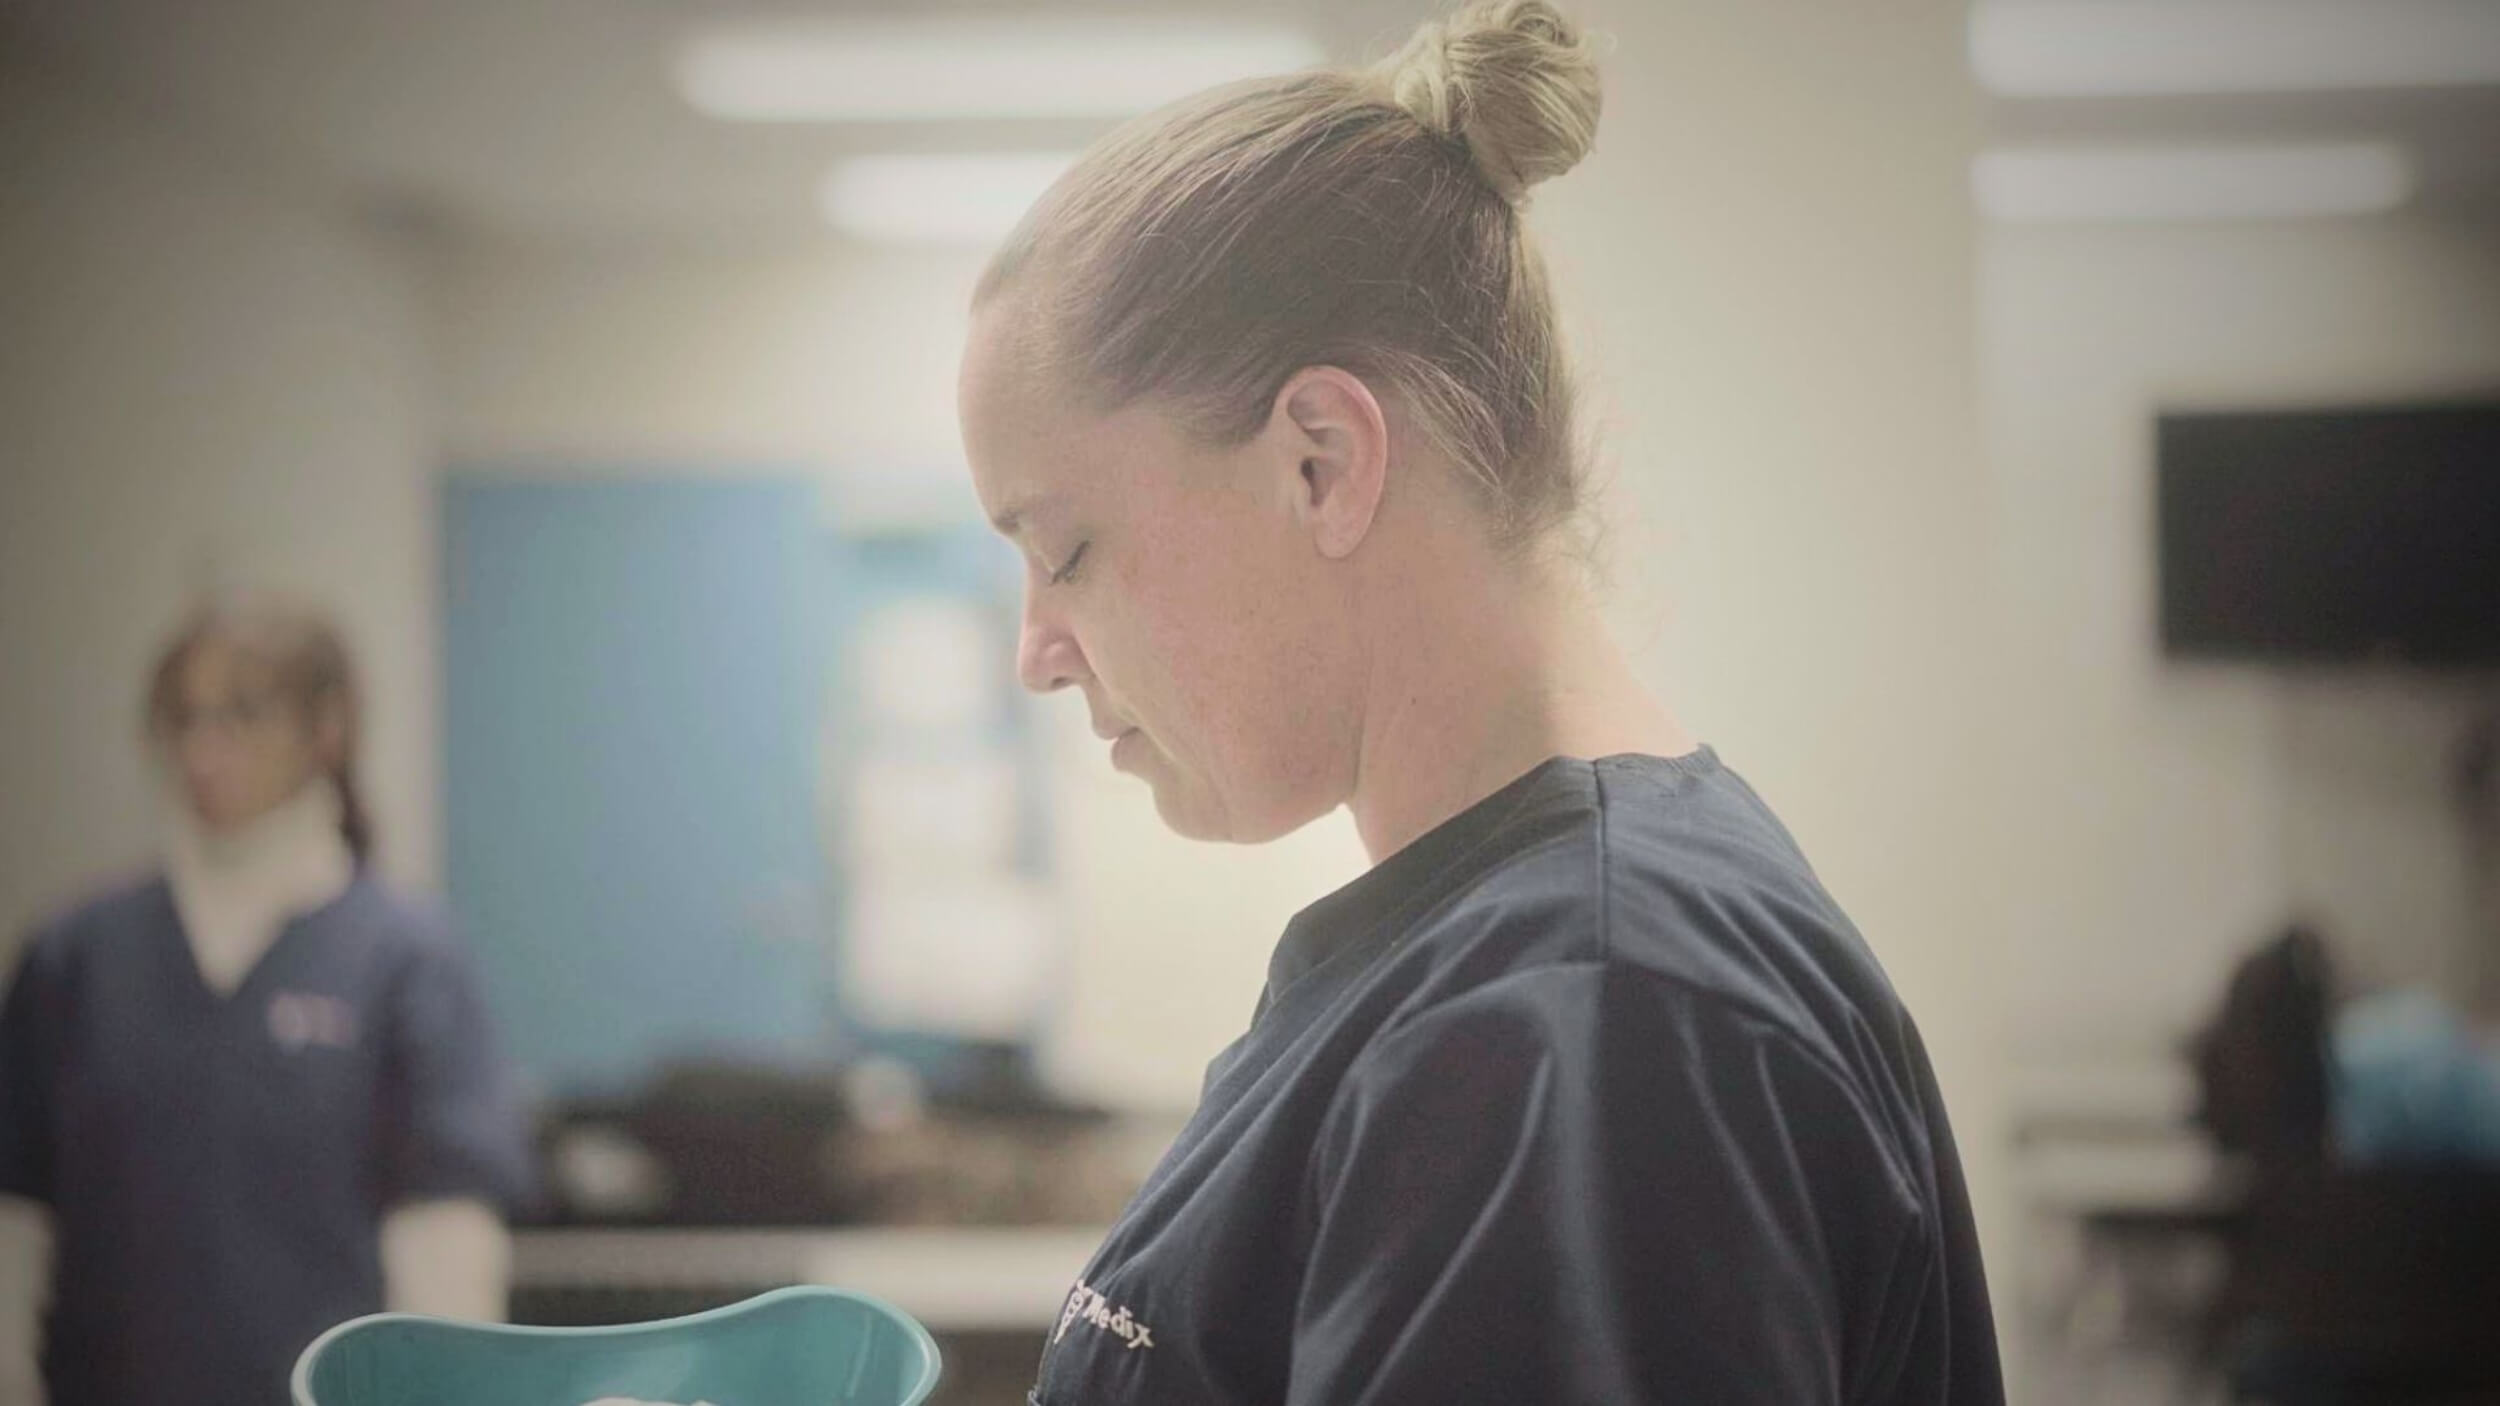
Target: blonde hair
(1367,219)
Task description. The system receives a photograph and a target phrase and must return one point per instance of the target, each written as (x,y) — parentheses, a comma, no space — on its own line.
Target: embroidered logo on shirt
(1086,1306)
(299,1020)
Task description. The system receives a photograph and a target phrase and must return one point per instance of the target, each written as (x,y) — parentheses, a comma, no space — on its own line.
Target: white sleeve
(25,1292)
(447,1259)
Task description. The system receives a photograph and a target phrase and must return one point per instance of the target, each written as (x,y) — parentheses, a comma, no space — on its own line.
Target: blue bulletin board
(650,723)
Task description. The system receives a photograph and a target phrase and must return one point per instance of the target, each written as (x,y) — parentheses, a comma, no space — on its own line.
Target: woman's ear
(1338,436)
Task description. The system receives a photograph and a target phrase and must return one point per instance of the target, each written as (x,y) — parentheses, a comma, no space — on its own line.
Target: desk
(2126,1204)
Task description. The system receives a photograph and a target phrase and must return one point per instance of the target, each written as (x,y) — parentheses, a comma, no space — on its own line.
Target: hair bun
(1514,79)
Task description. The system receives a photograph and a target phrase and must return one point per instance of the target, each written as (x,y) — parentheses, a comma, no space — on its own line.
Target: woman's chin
(1187,810)
(1193,814)
(215,817)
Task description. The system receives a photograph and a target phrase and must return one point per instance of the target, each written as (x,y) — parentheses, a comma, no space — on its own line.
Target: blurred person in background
(254,1093)
(1587,1091)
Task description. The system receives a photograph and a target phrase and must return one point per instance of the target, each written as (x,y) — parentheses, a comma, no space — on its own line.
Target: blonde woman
(1587,1091)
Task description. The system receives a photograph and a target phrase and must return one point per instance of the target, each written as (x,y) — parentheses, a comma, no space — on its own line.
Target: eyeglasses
(244,713)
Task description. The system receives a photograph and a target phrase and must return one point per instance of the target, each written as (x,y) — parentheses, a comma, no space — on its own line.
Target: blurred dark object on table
(745,1146)
(2262,1065)
(873,1142)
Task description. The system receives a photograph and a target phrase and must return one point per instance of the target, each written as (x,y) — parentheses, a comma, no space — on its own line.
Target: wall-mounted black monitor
(2332,535)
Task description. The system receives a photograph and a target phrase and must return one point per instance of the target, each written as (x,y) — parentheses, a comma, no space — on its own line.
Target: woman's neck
(236,889)
(1482,688)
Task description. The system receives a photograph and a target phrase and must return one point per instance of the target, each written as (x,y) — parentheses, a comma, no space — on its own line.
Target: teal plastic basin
(791,1347)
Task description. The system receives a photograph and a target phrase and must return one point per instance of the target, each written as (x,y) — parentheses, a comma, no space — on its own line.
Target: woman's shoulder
(1676,871)
(1578,829)
(110,920)
(135,898)
(1633,846)
(399,919)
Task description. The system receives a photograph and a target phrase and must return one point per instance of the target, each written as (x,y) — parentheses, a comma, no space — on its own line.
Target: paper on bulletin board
(929,664)
(942,818)
(972,960)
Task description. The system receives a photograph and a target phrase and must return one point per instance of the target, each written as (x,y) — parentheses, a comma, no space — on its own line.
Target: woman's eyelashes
(1067,569)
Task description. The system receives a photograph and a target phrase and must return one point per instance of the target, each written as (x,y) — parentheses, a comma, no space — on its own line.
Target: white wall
(203,377)
(835,359)
(2177,813)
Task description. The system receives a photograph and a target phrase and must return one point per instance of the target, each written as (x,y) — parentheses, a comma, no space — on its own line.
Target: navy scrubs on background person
(257,1093)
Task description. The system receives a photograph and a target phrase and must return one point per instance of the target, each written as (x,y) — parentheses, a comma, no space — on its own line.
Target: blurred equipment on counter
(872,1142)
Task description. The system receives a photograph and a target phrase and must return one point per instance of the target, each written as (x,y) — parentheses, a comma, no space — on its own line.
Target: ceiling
(2453,135)
(2450,135)
(558,117)
(535,117)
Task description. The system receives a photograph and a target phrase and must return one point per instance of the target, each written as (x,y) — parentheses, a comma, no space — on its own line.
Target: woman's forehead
(1012,420)
(1006,357)
(1025,467)
(1039,459)
(1042,449)
(219,665)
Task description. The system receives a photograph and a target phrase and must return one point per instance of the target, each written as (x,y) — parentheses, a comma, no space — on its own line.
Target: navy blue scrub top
(218,1167)
(1591,1095)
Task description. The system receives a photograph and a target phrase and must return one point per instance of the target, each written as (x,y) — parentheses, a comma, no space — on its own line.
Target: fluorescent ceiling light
(938,199)
(2123,48)
(969,67)
(2191,183)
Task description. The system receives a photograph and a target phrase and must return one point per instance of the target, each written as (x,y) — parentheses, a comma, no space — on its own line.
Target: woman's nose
(1047,656)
